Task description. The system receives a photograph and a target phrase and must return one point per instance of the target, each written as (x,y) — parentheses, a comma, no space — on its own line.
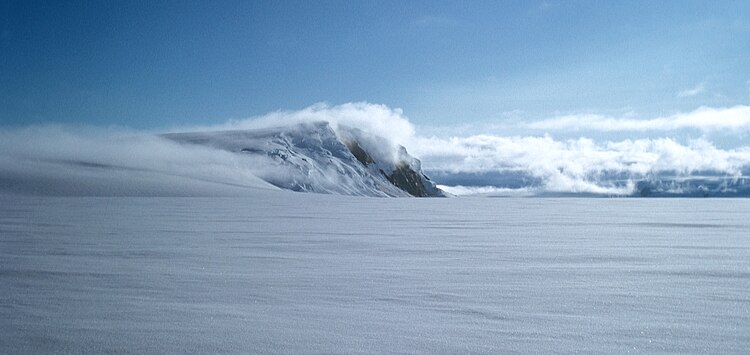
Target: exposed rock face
(408,180)
(315,157)
(359,153)
(402,175)
(391,161)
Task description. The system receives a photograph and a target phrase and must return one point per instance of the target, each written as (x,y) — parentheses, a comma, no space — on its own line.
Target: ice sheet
(299,273)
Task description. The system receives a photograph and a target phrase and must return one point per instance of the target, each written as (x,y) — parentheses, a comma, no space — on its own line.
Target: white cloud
(376,119)
(546,5)
(697,90)
(705,119)
(545,156)
(434,21)
(574,165)
(579,165)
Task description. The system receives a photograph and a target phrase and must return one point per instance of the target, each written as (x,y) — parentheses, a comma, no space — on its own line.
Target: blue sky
(154,64)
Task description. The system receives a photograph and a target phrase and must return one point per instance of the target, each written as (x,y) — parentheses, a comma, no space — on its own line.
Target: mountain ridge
(318,157)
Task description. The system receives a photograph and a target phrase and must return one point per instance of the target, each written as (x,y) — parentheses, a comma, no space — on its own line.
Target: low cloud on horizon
(562,165)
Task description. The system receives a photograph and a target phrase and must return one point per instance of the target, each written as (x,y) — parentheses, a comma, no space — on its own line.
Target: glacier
(285,272)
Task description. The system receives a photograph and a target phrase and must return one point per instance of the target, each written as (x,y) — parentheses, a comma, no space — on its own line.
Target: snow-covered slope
(317,157)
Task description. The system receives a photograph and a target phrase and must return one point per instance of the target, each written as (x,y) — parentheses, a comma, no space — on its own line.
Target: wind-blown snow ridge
(315,157)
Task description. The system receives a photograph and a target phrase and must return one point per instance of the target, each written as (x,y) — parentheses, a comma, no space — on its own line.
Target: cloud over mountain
(533,162)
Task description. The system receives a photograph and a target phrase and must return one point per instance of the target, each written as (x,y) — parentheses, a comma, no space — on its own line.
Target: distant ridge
(316,157)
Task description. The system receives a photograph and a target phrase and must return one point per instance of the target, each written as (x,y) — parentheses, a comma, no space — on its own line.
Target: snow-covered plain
(283,272)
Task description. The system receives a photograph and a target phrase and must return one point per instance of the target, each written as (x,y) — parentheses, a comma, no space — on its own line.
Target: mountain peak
(316,157)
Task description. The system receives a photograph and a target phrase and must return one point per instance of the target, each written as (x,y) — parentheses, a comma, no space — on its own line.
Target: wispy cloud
(434,21)
(705,119)
(546,5)
(697,90)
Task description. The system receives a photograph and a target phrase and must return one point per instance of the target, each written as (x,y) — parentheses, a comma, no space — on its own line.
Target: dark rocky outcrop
(408,180)
(414,182)
(359,153)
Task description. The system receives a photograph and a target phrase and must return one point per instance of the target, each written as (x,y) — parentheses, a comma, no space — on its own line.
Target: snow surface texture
(283,272)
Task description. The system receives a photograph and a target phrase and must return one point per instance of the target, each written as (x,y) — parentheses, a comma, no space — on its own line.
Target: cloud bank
(580,165)
(145,164)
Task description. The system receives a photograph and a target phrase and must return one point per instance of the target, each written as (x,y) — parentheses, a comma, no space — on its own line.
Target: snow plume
(372,120)
(60,160)
(704,119)
(378,120)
